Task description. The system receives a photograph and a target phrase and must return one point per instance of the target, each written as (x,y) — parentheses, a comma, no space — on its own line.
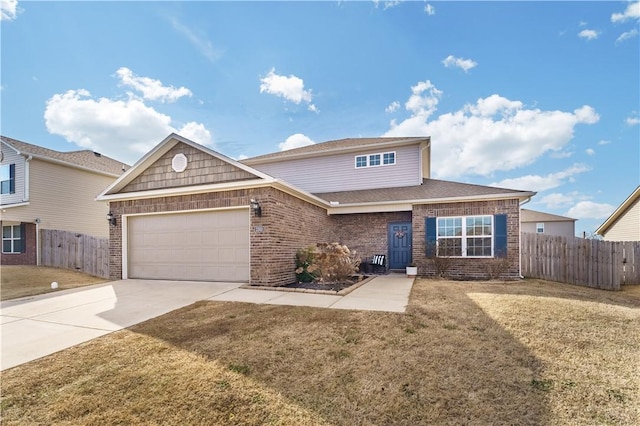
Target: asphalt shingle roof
(331,146)
(84,158)
(536,216)
(430,189)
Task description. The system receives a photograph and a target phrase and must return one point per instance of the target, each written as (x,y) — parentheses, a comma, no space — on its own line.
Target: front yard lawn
(21,281)
(531,352)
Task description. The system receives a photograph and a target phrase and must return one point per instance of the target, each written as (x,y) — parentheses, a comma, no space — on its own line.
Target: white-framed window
(8,179)
(540,227)
(465,236)
(12,239)
(375,160)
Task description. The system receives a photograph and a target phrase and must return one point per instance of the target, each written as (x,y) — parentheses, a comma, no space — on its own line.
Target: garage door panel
(199,246)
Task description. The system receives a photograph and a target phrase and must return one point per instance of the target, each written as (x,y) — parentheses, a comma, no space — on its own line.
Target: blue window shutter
(430,236)
(500,235)
(12,179)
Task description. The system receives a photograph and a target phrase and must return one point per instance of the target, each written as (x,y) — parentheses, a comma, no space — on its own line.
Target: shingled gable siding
(463,268)
(366,233)
(202,168)
(286,225)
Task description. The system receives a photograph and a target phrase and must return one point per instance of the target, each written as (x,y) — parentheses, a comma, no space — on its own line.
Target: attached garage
(193,246)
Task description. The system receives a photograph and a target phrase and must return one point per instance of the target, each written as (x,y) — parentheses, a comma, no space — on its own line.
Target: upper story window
(8,179)
(540,228)
(374,160)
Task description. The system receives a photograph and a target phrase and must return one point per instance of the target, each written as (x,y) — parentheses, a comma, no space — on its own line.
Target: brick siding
(29,257)
(463,268)
(286,225)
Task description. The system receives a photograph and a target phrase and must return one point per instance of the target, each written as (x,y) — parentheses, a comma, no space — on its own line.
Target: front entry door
(399,237)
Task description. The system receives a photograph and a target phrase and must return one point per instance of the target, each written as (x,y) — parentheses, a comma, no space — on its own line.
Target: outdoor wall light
(255,206)
(111,218)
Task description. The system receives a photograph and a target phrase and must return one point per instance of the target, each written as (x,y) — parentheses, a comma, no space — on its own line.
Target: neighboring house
(185,212)
(546,223)
(46,189)
(624,222)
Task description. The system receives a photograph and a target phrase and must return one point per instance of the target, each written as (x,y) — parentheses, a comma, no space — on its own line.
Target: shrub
(327,262)
(441,264)
(306,272)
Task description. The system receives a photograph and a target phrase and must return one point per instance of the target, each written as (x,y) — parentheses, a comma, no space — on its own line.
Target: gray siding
(558,228)
(11,157)
(338,172)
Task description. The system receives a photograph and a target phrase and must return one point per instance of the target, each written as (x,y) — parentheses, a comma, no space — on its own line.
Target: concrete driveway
(33,327)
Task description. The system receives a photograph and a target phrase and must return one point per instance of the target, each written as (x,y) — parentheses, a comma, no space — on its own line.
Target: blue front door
(399,237)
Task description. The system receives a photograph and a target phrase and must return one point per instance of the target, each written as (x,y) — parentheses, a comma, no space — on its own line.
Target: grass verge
(464,353)
(20,281)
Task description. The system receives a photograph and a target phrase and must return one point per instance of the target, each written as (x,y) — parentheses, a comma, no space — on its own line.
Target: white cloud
(151,89)
(589,34)
(632,121)
(631,12)
(590,210)
(429,10)
(464,64)
(590,151)
(295,141)
(8,10)
(387,4)
(627,35)
(290,88)
(122,129)
(393,107)
(604,142)
(493,134)
(541,183)
(557,200)
(204,46)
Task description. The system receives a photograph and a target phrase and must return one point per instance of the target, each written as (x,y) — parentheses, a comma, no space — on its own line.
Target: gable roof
(620,211)
(527,215)
(430,191)
(340,145)
(113,190)
(84,159)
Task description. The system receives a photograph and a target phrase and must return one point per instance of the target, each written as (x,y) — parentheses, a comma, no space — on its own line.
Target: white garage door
(199,246)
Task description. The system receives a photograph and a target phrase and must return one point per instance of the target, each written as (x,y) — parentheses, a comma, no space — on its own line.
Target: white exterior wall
(63,198)
(10,156)
(627,227)
(338,172)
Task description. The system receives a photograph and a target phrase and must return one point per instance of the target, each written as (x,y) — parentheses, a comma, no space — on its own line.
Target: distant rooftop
(85,158)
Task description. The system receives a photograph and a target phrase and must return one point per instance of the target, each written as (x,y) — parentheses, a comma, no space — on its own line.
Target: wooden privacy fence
(586,262)
(70,250)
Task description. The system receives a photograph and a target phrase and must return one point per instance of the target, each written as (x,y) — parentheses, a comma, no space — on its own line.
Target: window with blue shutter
(466,236)
(500,235)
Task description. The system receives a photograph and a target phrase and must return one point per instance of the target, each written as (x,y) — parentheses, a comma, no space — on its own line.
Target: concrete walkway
(33,327)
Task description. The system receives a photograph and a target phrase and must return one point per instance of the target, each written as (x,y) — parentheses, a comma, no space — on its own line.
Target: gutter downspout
(37,222)
(520,238)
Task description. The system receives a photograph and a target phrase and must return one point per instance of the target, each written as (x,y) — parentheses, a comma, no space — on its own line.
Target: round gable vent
(179,163)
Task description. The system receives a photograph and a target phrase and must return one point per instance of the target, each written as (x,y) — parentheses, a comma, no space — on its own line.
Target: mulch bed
(322,286)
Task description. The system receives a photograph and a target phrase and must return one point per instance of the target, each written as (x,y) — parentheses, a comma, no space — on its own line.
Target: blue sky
(540,96)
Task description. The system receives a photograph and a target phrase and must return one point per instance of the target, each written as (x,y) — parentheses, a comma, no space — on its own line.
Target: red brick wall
(472,268)
(367,232)
(29,257)
(286,225)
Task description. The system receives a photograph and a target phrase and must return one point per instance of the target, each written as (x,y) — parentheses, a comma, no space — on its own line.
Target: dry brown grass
(21,281)
(464,353)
